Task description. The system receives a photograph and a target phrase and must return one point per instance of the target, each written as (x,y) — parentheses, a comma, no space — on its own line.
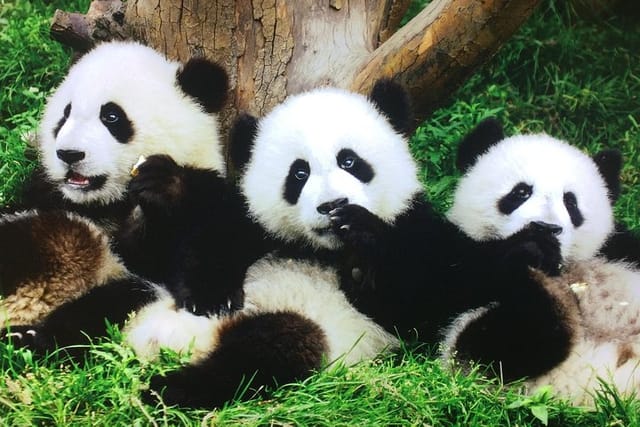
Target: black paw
(535,246)
(357,226)
(157,184)
(211,303)
(171,389)
(22,336)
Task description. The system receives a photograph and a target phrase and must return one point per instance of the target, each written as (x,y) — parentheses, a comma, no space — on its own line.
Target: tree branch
(442,46)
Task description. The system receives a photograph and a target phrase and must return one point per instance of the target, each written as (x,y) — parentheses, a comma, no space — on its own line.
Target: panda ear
(487,133)
(392,100)
(609,163)
(205,81)
(242,136)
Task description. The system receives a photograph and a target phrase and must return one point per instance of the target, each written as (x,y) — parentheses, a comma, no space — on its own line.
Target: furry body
(596,300)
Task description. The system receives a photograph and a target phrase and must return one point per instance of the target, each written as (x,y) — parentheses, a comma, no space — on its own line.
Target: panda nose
(327,207)
(552,228)
(70,156)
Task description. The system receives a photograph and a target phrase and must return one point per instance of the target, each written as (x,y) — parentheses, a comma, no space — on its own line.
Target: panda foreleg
(253,352)
(78,321)
(524,334)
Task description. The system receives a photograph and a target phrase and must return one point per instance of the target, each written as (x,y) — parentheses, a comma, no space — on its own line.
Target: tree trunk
(273,48)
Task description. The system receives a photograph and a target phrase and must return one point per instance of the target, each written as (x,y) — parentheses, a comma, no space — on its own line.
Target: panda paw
(357,226)
(22,336)
(157,184)
(177,389)
(537,247)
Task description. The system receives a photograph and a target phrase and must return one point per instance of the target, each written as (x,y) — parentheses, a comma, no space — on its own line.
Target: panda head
(321,149)
(123,100)
(509,183)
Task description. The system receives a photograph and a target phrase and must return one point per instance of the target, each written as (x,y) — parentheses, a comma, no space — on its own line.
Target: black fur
(571,203)
(486,134)
(63,120)
(197,237)
(609,164)
(206,82)
(357,166)
(393,102)
(295,181)
(254,351)
(241,141)
(519,194)
(115,119)
(79,321)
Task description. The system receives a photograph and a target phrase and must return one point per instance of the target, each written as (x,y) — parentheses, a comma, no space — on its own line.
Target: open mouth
(85,183)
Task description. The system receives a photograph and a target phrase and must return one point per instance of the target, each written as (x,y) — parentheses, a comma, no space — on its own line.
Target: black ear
(609,164)
(393,101)
(205,81)
(487,133)
(242,136)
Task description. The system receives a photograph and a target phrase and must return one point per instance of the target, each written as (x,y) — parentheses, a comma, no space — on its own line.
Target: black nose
(552,228)
(70,156)
(327,207)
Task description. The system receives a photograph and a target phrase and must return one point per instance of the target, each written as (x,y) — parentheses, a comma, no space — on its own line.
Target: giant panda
(329,177)
(508,184)
(353,254)
(295,317)
(83,209)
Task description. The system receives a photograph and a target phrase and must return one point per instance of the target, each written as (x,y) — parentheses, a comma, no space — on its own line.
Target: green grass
(574,79)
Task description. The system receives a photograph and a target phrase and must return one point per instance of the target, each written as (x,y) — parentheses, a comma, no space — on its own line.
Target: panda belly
(273,285)
(312,291)
(607,341)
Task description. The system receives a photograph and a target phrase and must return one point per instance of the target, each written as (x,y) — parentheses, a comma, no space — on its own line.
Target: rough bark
(273,48)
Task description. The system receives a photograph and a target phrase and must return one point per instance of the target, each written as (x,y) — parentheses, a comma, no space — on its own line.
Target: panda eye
(518,195)
(301,174)
(110,117)
(67,111)
(347,163)
(522,191)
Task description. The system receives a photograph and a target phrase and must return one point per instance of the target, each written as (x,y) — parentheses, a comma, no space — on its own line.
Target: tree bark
(273,48)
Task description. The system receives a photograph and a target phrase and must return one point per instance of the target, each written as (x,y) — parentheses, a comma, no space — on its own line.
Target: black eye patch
(296,179)
(519,194)
(571,203)
(358,167)
(116,121)
(63,120)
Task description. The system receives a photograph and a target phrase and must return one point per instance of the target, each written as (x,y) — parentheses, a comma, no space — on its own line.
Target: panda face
(320,150)
(119,102)
(535,178)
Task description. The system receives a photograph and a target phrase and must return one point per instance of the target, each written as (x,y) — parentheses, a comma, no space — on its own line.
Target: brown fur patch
(47,259)
(625,353)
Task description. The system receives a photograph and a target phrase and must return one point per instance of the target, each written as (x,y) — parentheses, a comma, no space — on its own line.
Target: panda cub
(329,176)
(118,102)
(295,318)
(510,183)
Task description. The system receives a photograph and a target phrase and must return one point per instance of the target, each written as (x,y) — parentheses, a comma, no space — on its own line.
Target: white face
(317,148)
(118,102)
(530,178)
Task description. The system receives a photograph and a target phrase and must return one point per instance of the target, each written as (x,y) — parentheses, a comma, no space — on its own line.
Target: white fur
(162,325)
(274,285)
(608,340)
(143,83)
(553,167)
(314,126)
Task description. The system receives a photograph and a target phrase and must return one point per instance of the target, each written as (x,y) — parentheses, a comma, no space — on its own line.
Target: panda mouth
(84,183)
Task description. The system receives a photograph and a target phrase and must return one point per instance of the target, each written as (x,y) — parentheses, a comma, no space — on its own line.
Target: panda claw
(345,227)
